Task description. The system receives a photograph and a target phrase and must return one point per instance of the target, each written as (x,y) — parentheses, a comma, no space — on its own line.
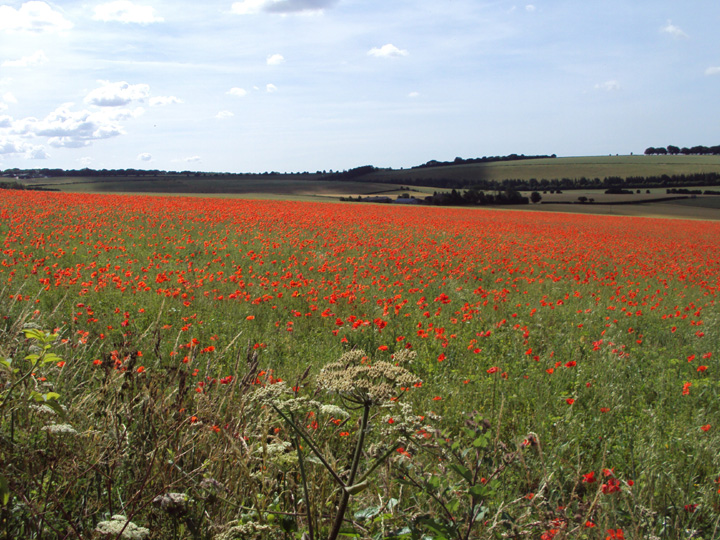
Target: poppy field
(206,368)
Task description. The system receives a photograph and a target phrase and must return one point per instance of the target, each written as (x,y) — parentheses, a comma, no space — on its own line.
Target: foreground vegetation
(189,368)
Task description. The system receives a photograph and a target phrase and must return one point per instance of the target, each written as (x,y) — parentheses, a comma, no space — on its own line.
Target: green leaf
(32,357)
(481,442)
(357,488)
(453,505)
(462,471)
(33,333)
(478,490)
(51,357)
(434,482)
(4,491)
(367,513)
(55,406)
(441,530)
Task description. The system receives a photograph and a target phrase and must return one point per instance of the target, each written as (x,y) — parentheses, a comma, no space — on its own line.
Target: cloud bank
(36,59)
(117,94)
(125,11)
(249,7)
(33,17)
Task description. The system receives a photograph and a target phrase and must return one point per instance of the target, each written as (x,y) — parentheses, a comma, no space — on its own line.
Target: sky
(306,85)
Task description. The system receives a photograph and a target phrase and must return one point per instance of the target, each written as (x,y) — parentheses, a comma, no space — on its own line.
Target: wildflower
(175,504)
(118,523)
(706,427)
(615,534)
(589,478)
(60,429)
(686,388)
(611,486)
(570,401)
(493,369)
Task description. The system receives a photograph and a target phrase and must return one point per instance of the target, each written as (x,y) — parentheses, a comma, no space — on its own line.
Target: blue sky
(295,85)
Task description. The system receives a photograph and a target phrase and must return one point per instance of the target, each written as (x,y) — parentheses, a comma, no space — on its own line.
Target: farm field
(253,185)
(565,167)
(231,368)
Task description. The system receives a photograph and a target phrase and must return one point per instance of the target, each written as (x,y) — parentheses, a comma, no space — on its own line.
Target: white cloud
(530,8)
(387,51)
(192,159)
(36,152)
(5,121)
(117,94)
(160,101)
(8,97)
(144,157)
(35,59)
(7,146)
(270,88)
(16,146)
(68,128)
(297,6)
(224,114)
(275,59)
(673,30)
(85,161)
(608,86)
(249,7)
(33,17)
(712,71)
(74,129)
(239,92)
(3,106)
(413,94)
(125,11)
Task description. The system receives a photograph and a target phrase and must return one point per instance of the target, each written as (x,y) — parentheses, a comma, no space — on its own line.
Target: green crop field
(565,167)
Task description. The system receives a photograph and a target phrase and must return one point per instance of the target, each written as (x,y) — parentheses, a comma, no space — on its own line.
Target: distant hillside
(520,173)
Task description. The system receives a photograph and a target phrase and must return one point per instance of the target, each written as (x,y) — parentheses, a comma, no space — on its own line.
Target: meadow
(210,368)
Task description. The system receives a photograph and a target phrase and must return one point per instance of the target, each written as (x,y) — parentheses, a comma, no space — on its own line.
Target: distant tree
(662,151)
(583,199)
(673,150)
(649,151)
(535,197)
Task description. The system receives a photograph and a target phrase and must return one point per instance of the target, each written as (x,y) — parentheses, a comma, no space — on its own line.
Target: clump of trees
(474,197)
(675,150)
(484,159)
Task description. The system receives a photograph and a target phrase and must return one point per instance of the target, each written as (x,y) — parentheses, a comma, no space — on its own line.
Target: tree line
(675,150)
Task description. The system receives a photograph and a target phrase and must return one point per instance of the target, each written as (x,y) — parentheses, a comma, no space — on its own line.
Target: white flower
(116,524)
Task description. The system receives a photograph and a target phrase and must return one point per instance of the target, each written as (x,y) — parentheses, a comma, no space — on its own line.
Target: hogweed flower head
(117,523)
(357,378)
